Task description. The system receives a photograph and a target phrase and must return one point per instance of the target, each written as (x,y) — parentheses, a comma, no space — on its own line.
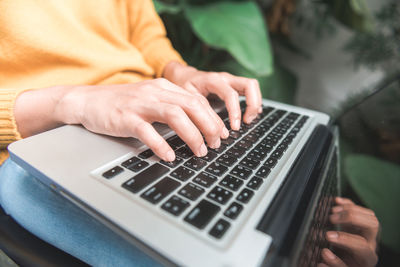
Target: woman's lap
(55,220)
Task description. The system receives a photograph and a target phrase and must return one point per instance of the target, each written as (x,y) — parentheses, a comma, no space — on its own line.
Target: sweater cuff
(160,60)
(8,126)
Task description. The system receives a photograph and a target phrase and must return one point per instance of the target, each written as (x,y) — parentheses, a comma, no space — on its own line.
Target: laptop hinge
(284,217)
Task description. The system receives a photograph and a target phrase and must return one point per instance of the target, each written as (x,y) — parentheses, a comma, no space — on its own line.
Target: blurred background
(327,55)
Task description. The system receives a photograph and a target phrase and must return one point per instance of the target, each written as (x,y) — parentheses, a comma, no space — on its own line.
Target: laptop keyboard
(222,183)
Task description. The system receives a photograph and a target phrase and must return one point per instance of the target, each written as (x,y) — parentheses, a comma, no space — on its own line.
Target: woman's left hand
(226,86)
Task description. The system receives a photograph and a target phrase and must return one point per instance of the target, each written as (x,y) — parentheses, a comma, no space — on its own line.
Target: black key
(172,164)
(277,154)
(205,179)
(130,162)
(265,146)
(216,169)
(233,210)
(191,191)
(267,110)
(234,134)
(226,160)
(231,182)
(244,143)
(241,172)
(258,155)
(184,152)
(146,177)
(210,156)
(175,142)
(295,129)
(287,141)
(160,190)
(258,132)
(182,173)
(270,163)
(202,214)
(219,229)
(245,195)
(219,195)
(263,171)
(113,172)
(220,149)
(138,166)
(255,183)
(175,205)
(195,163)
(249,163)
(251,138)
(282,147)
(228,141)
(236,151)
(146,154)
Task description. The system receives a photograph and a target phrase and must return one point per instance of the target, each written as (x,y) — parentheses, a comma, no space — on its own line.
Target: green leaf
(237,27)
(279,86)
(162,7)
(377,183)
(352,13)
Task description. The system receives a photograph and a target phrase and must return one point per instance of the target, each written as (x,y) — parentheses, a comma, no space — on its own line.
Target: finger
(352,217)
(146,133)
(342,201)
(225,132)
(178,120)
(231,99)
(355,244)
(199,111)
(251,89)
(191,90)
(354,207)
(331,259)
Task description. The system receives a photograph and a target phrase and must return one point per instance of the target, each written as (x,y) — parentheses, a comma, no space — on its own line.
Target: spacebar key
(202,214)
(146,177)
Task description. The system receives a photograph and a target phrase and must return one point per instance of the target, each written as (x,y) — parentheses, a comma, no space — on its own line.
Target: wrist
(69,107)
(176,72)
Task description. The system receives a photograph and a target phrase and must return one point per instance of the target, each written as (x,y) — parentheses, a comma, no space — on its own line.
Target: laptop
(261,199)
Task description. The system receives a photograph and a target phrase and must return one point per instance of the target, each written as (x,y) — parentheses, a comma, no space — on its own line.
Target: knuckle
(233,94)
(213,130)
(140,128)
(162,81)
(194,102)
(254,82)
(174,113)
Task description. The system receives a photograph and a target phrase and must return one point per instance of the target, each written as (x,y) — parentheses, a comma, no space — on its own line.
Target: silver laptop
(251,202)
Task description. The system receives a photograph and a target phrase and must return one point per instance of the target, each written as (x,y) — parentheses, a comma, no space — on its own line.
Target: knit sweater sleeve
(148,34)
(8,127)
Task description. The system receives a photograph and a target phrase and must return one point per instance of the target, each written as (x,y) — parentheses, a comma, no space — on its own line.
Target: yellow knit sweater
(65,42)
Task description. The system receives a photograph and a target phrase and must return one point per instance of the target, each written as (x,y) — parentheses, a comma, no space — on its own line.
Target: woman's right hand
(127,110)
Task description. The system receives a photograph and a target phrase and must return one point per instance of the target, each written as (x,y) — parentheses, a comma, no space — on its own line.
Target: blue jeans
(60,223)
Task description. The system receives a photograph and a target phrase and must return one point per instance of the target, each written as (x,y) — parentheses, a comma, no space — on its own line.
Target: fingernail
(337,209)
(203,150)
(332,235)
(236,124)
(170,156)
(251,118)
(216,144)
(329,254)
(225,132)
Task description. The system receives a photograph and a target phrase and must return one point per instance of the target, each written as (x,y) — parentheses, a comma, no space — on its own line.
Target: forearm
(40,110)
